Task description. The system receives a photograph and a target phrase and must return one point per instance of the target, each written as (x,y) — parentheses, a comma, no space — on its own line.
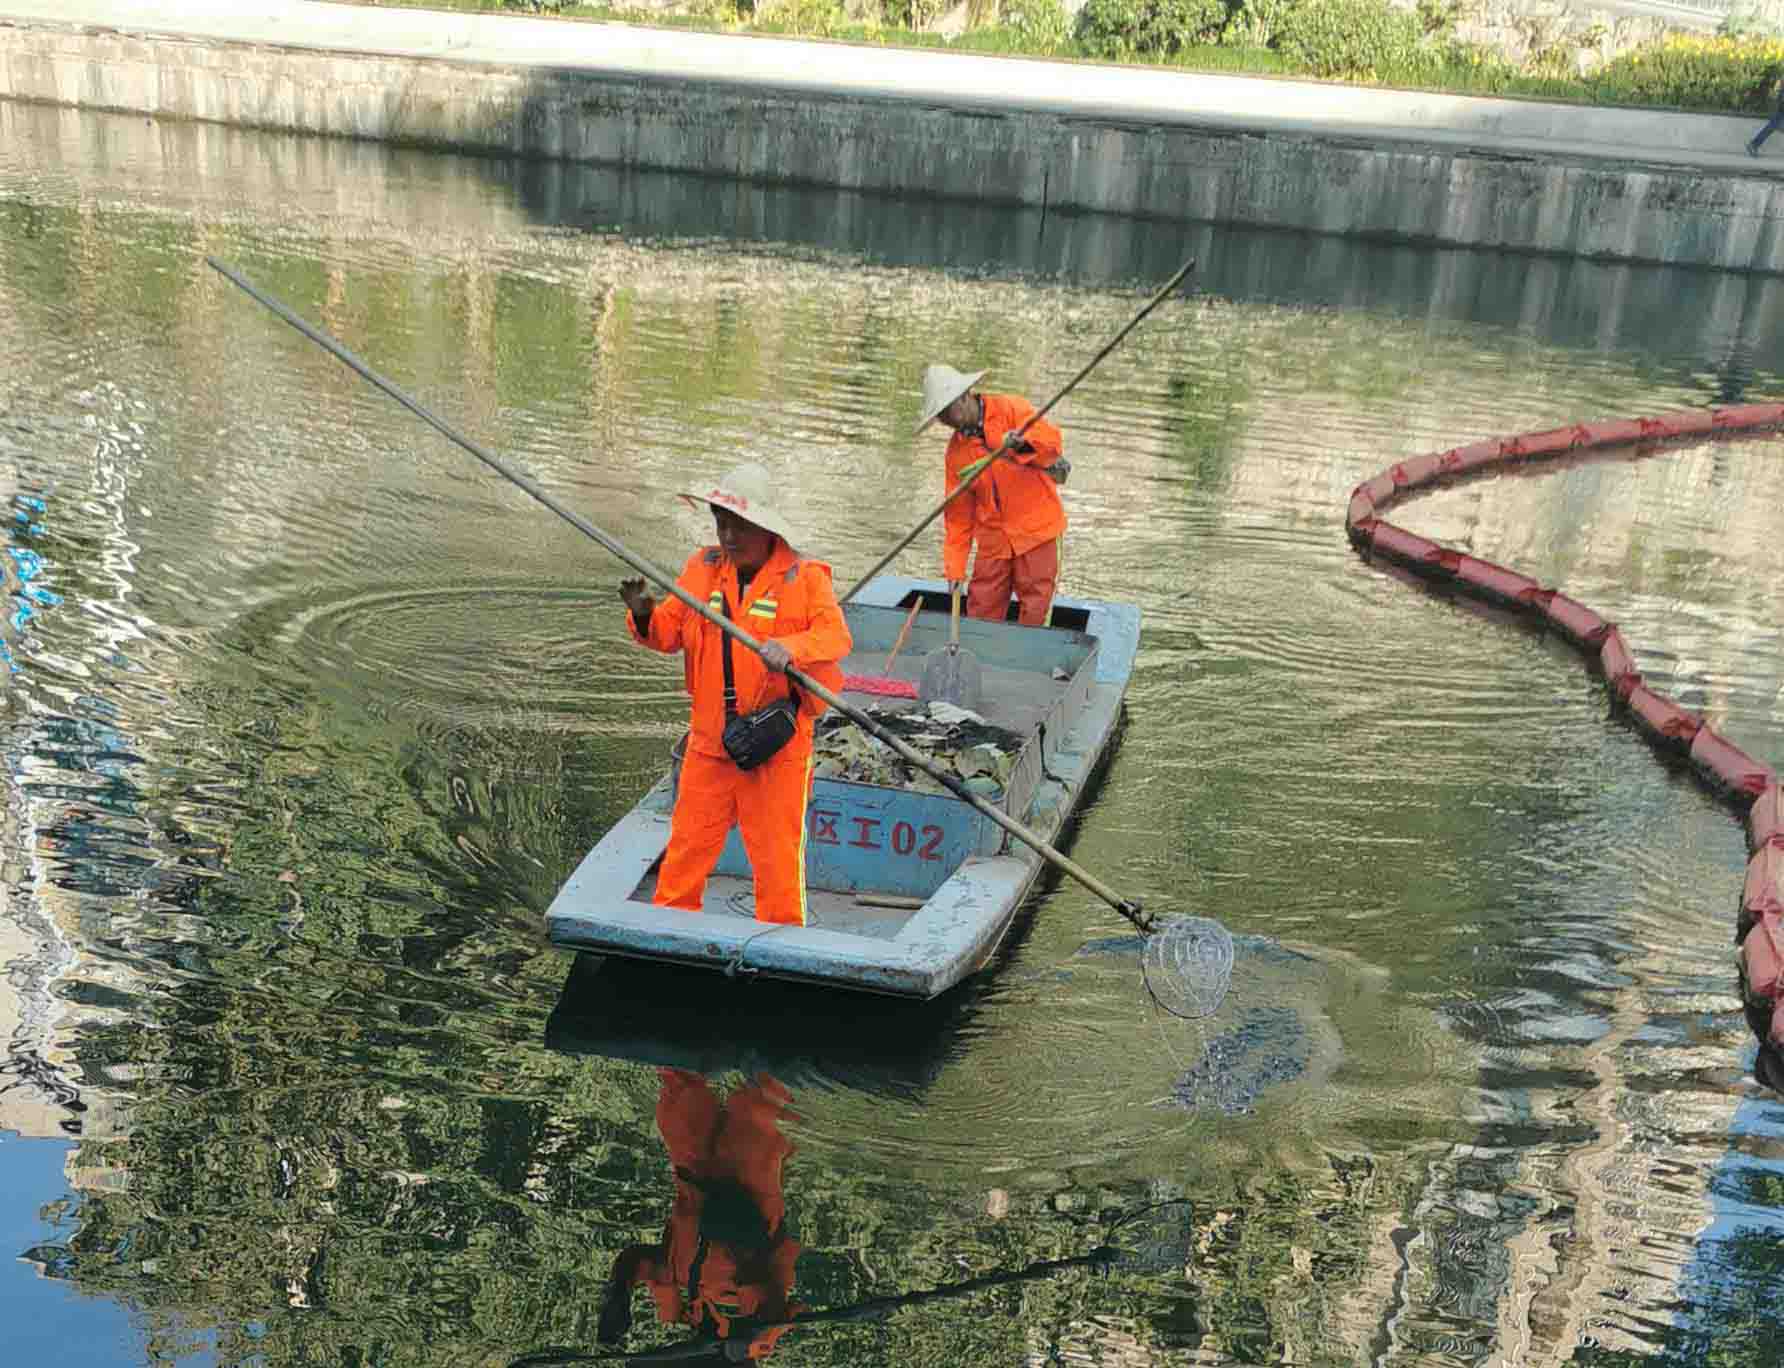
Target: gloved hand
(1059,470)
(776,656)
(637,598)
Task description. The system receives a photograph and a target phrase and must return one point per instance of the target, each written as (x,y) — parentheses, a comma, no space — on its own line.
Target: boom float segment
(1744,782)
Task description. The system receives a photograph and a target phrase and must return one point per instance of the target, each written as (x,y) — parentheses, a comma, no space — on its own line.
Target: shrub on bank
(1695,72)
(1121,30)
(1358,40)
(1036,25)
(1255,23)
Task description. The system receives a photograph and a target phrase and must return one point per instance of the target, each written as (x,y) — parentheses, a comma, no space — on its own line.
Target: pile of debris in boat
(954,739)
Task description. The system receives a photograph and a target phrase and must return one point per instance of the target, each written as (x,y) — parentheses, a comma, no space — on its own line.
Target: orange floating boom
(1738,777)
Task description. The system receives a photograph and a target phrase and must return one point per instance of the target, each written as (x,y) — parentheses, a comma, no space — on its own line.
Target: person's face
(961,413)
(748,546)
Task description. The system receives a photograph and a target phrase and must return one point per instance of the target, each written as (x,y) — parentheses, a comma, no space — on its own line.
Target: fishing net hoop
(1187,965)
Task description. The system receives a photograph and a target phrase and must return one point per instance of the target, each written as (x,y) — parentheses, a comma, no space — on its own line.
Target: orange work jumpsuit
(695,1276)
(1012,511)
(792,601)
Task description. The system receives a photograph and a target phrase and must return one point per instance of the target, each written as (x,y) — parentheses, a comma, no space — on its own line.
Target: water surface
(307,717)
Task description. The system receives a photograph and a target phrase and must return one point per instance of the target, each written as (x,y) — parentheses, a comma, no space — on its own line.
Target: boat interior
(875,853)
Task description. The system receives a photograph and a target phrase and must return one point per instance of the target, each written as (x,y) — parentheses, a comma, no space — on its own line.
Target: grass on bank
(1369,42)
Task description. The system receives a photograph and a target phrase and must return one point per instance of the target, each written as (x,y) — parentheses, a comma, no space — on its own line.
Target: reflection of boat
(908,891)
(673,1017)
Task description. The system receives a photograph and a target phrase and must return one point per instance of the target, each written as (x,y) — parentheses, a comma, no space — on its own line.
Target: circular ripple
(478,654)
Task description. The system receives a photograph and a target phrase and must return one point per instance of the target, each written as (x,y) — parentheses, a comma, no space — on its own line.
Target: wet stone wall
(1216,171)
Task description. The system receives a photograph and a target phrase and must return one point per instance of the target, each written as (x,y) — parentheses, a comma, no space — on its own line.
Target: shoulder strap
(725,651)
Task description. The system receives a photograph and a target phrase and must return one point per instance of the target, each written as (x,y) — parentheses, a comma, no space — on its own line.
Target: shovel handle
(954,617)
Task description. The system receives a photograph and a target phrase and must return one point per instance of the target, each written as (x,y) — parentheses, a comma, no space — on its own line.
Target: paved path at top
(1268,105)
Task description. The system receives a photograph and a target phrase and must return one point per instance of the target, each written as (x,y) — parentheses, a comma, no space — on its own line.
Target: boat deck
(733,895)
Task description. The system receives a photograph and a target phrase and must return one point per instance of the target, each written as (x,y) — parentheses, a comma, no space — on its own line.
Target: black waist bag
(753,737)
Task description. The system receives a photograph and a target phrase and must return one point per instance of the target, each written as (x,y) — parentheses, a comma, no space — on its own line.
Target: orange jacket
(789,599)
(1014,506)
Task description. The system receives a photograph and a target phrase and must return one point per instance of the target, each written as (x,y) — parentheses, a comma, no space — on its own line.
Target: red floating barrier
(1760,924)
(1662,718)
(1417,472)
(1738,416)
(1380,491)
(1496,582)
(1688,422)
(1729,765)
(1616,432)
(1765,819)
(1443,562)
(1761,964)
(1474,456)
(1617,662)
(1763,894)
(1404,546)
(1543,443)
(1575,621)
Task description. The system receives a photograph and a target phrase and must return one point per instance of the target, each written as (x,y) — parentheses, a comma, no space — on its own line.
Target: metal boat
(908,891)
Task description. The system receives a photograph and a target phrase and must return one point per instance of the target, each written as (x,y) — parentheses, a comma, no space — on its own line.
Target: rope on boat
(1746,783)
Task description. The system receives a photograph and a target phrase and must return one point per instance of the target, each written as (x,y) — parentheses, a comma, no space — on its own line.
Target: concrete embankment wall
(1619,185)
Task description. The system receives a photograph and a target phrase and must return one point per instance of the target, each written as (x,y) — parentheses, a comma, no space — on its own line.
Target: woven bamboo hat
(942,385)
(748,491)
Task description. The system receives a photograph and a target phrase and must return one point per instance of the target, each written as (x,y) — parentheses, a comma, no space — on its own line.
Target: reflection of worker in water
(725,1264)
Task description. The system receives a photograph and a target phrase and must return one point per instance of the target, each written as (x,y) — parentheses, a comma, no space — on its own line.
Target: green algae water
(306,717)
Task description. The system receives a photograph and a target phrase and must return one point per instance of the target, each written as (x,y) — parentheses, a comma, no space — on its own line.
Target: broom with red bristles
(885,685)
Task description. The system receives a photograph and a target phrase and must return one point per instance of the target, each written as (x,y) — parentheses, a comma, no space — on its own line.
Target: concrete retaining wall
(1617,185)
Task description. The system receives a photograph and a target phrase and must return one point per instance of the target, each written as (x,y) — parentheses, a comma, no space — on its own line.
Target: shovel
(951,675)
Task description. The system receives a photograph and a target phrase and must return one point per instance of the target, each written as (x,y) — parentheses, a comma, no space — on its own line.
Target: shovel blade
(951,675)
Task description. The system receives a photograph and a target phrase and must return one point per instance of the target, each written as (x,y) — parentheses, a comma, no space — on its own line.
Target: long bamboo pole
(1126,907)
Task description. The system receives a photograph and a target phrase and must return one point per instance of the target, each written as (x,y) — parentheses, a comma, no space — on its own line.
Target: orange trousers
(1032,577)
(767,803)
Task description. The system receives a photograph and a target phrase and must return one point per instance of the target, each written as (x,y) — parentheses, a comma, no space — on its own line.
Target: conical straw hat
(942,385)
(748,491)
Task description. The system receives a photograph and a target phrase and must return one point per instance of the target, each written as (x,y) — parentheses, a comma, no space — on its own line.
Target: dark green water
(307,717)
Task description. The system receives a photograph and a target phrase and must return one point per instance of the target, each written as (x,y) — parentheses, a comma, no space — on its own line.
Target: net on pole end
(1188,966)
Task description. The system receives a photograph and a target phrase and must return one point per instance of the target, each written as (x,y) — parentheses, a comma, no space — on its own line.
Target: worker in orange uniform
(725,1263)
(1013,511)
(786,602)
